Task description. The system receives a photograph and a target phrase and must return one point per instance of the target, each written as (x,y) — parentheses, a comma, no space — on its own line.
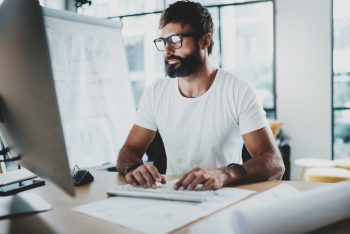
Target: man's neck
(197,84)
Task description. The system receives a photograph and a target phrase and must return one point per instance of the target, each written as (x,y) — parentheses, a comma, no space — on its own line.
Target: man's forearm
(269,167)
(128,157)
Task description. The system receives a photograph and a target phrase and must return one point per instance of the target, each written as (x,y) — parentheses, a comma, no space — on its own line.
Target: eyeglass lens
(172,41)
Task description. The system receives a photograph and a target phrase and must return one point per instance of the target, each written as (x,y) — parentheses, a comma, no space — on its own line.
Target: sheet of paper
(273,194)
(222,222)
(21,204)
(159,216)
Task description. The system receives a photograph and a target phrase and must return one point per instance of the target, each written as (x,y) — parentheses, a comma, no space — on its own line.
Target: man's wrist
(236,173)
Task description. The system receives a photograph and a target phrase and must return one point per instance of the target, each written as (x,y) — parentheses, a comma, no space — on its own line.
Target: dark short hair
(191,13)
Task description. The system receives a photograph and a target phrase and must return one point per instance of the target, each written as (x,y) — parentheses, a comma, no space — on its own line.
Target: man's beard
(186,66)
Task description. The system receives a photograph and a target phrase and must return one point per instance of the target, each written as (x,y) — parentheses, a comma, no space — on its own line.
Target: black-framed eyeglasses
(174,41)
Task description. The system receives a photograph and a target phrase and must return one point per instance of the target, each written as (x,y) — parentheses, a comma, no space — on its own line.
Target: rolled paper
(301,213)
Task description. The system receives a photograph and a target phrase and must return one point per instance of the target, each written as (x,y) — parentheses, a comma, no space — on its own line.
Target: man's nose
(168,50)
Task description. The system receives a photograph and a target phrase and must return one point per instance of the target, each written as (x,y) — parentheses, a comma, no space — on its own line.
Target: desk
(61,219)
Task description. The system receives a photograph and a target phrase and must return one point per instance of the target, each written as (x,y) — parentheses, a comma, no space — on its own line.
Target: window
(55,4)
(247,47)
(215,55)
(216,2)
(146,64)
(110,8)
(243,37)
(341,79)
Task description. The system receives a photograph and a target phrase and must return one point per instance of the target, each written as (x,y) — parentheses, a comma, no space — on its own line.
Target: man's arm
(266,164)
(130,157)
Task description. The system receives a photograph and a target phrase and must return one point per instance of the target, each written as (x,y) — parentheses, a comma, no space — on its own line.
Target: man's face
(186,60)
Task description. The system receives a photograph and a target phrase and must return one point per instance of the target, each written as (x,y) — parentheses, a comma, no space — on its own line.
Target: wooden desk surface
(61,219)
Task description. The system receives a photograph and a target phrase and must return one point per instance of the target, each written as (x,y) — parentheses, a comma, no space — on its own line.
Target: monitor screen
(30,124)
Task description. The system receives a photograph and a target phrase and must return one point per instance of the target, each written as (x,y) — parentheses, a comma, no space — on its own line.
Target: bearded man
(204,114)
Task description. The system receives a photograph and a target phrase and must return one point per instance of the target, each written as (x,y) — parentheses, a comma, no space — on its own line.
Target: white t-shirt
(203,131)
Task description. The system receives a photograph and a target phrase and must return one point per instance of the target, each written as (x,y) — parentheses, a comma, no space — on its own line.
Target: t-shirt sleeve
(251,112)
(145,114)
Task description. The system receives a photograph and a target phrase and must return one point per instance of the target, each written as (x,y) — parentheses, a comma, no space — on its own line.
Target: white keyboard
(161,192)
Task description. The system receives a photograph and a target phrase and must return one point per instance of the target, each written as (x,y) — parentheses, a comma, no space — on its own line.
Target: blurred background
(295,52)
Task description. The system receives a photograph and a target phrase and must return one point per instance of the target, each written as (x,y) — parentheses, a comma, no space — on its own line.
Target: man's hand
(210,178)
(146,176)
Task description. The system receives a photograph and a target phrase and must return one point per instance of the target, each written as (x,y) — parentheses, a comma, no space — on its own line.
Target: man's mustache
(174,57)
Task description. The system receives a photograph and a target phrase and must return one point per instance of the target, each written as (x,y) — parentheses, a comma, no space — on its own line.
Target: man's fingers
(139,178)
(163,179)
(208,184)
(150,181)
(186,179)
(154,172)
(199,179)
(189,179)
(178,184)
(196,169)
(146,176)
(208,178)
(130,179)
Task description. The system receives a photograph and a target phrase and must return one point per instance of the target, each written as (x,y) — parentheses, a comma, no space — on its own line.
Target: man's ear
(205,41)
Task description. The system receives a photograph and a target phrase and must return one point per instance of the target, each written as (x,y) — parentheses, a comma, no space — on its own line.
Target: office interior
(295,52)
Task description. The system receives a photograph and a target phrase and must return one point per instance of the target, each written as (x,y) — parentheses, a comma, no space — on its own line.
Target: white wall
(303,76)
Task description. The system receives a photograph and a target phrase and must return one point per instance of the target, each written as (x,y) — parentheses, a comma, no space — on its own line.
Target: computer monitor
(30,124)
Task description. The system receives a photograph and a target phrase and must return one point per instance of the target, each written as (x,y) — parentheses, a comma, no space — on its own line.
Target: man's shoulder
(159,87)
(227,78)
(161,83)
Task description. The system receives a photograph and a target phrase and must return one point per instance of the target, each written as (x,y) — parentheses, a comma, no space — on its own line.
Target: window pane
(342,90)
(247,46)
(137,86)
(270,114)
(108,8)
(341,53)
(341,134)
(215,2)
(214,58)
(55,4)
(145,62)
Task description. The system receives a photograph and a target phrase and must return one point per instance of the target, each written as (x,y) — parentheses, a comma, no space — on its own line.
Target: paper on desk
(272,195)
(159,216)
(301,213)
(222,222)
(22,203)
